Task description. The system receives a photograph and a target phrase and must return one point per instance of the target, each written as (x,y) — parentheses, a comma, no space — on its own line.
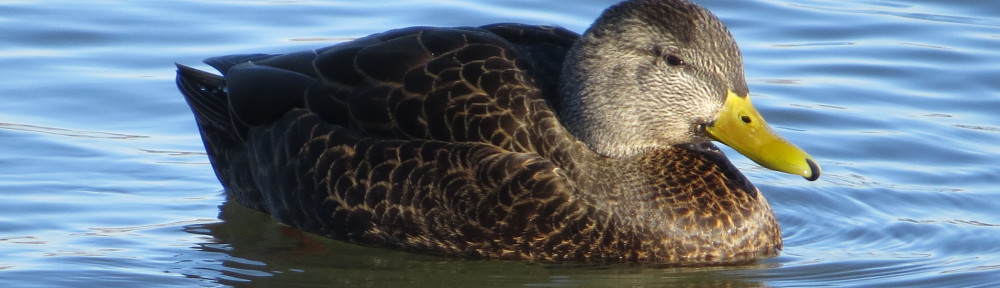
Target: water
(104,180)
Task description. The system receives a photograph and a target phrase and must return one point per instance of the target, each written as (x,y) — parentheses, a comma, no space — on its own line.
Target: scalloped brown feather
(441,140)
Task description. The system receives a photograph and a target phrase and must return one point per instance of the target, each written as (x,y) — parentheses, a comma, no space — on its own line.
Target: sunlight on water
(105,181)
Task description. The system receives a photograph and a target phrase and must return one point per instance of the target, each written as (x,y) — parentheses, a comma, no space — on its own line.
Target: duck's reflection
(254,250)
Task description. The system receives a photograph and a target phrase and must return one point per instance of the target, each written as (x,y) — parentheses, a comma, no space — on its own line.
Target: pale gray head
(649,73)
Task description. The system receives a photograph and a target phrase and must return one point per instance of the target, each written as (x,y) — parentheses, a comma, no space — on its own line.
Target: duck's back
(451,84)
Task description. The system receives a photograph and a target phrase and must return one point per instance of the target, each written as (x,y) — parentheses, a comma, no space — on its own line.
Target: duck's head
(660,73)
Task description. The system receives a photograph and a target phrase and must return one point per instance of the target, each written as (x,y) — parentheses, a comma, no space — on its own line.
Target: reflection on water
(105,182)
(66,132)
(263,252)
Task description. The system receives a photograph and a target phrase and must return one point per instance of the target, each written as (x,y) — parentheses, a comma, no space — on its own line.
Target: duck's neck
(684,190)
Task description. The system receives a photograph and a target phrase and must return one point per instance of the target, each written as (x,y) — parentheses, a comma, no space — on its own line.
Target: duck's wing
(484,85)
(463,199)
(544,48)
(417,138)
(450,198)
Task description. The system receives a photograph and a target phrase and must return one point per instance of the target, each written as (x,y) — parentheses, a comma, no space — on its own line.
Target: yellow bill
(740,126)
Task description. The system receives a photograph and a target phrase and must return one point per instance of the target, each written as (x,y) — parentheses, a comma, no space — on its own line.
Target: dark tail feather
(206,94)
(223,138)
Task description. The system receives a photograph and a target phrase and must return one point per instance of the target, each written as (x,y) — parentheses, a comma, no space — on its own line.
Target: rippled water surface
(104,181)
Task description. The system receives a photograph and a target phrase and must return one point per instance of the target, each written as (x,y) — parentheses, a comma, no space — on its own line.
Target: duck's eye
(673,60)
(746,119)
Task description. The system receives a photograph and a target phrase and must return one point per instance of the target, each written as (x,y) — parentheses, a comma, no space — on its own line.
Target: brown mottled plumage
(447,141)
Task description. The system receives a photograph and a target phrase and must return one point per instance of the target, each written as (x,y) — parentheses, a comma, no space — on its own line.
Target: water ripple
(68,132)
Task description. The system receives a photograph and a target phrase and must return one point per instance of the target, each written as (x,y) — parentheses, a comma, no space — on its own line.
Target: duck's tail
(206,94)
(223,136)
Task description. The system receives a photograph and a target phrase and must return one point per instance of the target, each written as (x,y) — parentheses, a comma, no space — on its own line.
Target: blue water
(103,178)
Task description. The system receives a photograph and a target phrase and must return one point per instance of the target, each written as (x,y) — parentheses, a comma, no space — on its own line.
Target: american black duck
(506,141)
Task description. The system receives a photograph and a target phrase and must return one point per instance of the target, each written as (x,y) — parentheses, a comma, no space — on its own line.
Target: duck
(506,141)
